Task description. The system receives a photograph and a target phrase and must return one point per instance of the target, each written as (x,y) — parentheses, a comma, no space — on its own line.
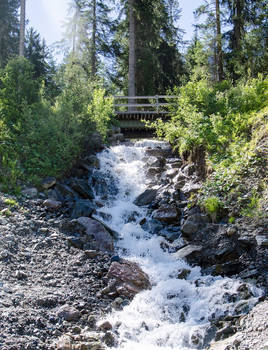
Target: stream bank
(55,270)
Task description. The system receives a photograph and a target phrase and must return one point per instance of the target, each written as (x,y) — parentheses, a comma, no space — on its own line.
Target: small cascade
(175,313)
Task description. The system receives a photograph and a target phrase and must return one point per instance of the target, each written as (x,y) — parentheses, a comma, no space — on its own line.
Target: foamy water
(175,313)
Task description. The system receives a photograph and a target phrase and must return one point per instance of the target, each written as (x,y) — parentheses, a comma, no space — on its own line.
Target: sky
(47,17)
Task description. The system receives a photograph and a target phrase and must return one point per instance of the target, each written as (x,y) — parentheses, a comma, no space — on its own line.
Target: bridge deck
(138,108)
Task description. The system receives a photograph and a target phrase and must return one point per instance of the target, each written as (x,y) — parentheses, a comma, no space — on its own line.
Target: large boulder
(146,197)
(82,188)
(104,240)
(166,213)
(82,207)
(129,277)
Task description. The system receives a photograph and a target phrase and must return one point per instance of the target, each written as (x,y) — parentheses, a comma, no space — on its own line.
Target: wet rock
(48,182)
(166,213)
(109,339)
(112,232)
(262,241)
(68,313)
(82,188)
(188,229)
(91,253)
(105,326)
(66,191)
(187,251)
(158,152)
(130,279)
(151,172)
(30,192)
(82,207)
(103,238)
(76,242)
(231,231)
(145,198)
(93,161)
(52,204)
(183,274)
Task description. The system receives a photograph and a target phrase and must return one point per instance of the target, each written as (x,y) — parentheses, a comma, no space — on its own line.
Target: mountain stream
(174,313)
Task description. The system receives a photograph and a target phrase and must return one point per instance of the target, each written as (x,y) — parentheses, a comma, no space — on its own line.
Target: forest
(48,110)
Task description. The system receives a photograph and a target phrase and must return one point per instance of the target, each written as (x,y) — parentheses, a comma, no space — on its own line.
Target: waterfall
(175,313)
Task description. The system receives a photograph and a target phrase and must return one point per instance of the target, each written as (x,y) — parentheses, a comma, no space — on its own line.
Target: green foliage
(11,202)
(101,110)
(38,139)
(212,206)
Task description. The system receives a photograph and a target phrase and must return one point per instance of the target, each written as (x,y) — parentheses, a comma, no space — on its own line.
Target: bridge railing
(158,104)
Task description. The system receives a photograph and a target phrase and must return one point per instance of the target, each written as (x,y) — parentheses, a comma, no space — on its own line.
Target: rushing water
(175,313)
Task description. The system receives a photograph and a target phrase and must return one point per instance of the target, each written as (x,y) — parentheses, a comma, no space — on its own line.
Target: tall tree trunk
(219,43)
(238,24)
(93,47)
(132,52)
(22,27)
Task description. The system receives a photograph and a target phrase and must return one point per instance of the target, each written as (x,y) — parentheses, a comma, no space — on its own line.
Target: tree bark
(219,43)
(132,52)
(93,47)
(238,24)
(22,27)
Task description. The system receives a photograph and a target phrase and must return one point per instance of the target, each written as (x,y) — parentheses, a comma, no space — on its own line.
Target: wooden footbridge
(132,111)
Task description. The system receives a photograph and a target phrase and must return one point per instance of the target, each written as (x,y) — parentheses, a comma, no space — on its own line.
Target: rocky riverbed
(60,274)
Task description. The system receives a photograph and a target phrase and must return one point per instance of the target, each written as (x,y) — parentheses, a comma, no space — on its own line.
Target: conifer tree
(9,30)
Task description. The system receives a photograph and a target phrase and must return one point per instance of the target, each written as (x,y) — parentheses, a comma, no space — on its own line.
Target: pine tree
(9,30)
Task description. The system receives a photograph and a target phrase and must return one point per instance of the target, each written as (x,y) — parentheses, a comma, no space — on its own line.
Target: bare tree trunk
(22,27)
(93,48)
(132,53)
(238,24)
(219,43)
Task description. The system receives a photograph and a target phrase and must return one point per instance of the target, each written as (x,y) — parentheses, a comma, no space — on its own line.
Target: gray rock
(145,198)
(48,182)
(166,213)
(103,238)
(66,191)
(82,188)
(262,241)
(52,204)
(82,207)
(30,192)
(68,313)
(187,251)
(188,229)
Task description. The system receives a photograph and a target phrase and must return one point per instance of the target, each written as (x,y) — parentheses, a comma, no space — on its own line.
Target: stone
(52,204)
(82,207)
(158,152)
(91,253)
(231,231)
(151,172)
(93,161)
(103,238)
(64,343)
(66,191)
(183,274)
(20,275)
(129,277)
(68,313)
(48,182)
(30,192)
(187,251)
(119,137)
(105,326)
(166,213)
(109,339)
(190,188)
(188,229)
(82,188)
(262,241)
(145,198)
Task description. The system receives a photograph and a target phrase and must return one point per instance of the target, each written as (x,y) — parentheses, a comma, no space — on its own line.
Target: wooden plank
(136,105)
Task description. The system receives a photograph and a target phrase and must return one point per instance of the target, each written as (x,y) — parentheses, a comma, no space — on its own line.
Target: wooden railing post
(157,104)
